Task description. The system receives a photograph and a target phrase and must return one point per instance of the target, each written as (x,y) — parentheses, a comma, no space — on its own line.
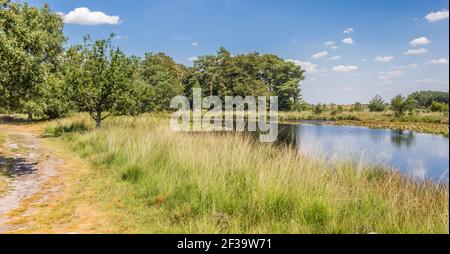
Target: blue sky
(391,47)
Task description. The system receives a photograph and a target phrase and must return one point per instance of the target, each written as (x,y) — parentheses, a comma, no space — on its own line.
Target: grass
(149,179)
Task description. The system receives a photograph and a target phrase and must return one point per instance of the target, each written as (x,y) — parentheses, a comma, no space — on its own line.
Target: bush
(439,107)
(377,104)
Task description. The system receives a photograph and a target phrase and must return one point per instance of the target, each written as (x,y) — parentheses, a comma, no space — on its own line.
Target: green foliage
(247,75)
(31,42)
(401,105)
(100,78)
(377,104)
(162,80)
(425,99)
(439,107)
(357,107)
(319,109)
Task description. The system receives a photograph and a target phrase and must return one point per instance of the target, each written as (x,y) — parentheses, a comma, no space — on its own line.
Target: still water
(422,156)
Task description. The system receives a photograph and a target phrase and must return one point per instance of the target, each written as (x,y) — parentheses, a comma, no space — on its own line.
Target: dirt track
(24,168)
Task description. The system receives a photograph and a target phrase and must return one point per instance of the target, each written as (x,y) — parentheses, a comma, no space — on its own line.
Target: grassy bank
(151,180)
(426,122)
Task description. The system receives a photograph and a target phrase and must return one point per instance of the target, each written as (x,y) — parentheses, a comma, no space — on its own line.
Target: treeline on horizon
(40,78)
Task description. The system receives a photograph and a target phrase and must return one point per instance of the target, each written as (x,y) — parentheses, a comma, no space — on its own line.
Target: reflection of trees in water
(402,138)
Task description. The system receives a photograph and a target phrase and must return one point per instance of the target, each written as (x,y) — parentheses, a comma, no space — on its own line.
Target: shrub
(377,104)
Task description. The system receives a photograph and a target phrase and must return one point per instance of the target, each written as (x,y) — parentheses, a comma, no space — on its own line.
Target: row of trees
(435,101)
(39,77)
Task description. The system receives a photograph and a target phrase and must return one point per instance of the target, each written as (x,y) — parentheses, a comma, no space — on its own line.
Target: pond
(422,156)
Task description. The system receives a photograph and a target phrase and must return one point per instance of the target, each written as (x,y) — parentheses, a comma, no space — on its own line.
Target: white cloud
(426,81)
(329,43)
(307,66)
(349,30)
(83,16)
(194,44)
(193,58)
(403,67)
(416,51)
(343,68)
(334,47)
(387,75)
(420,41)
(334,58)
(438,61)
(348,41)
(436,16)
(320,55)
(383,59)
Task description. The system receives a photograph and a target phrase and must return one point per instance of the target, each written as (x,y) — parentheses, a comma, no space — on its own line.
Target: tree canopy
(31,41)
(99,78)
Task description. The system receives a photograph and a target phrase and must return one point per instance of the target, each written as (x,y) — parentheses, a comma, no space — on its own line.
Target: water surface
(422,156)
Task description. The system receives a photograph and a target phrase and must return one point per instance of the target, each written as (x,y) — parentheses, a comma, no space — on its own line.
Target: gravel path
(25,168)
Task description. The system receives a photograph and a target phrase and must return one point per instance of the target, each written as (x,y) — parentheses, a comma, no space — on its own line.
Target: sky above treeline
(350,49)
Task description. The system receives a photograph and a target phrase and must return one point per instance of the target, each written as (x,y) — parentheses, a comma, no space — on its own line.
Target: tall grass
(153,180)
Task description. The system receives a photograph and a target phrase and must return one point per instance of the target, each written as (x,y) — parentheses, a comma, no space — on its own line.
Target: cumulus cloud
(84,16)
(438,61)
(307,66)
(436,16)
(334,58)
(416,51)
(383,59)
(348,41)
(320,55)
(420,41)
(334,47)
(387,75)
(329,43)
(345,68)
(349,30)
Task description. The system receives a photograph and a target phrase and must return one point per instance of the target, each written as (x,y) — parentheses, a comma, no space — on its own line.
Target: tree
(401,105)
(31,42)
(247,75)
(377,104)
(100,79)
(424,99)
(162,80)
(439,107)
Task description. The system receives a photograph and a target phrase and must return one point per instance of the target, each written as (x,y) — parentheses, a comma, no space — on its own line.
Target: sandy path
(26,167)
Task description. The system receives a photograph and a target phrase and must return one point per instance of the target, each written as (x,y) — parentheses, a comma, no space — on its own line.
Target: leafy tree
(100,78)
(162,80)
(377,104)
(31,42)
(424,99)
(401,105)
(439,107)
(247,75)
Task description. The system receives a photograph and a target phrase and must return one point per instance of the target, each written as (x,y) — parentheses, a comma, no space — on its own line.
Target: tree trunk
(98,119)
(30,116)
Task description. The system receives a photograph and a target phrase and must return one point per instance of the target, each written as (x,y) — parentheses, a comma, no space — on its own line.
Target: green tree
(163,80)
(439,107)
(424,99)
(377,104)
(401,105)
(31,42)
(100,78)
